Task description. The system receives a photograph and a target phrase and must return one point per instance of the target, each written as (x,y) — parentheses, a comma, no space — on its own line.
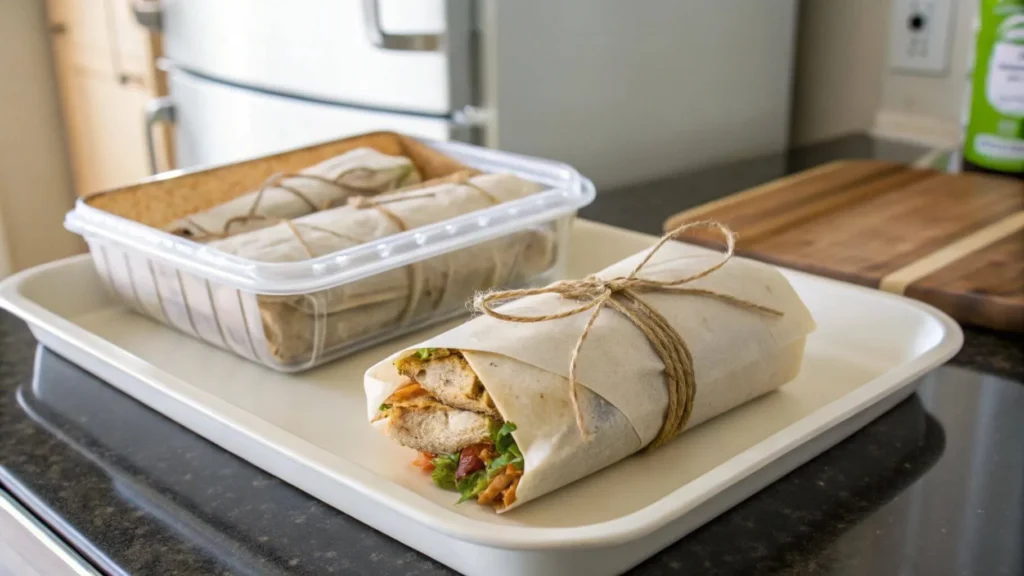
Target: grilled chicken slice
(449,378)
(417,420)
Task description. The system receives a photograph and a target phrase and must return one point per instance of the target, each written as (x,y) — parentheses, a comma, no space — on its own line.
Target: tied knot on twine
(622,294)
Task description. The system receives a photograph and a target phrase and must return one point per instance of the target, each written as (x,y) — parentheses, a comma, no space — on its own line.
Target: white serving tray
(310,429)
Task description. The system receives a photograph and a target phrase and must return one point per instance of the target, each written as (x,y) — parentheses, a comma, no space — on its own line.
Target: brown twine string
(363,203)
(302,241)
(622,294)
(204,232)
(333,233)
(415,274)
(462,179)
(275,181)
(449,271)
(496,270)
(490,197)
(293,227)
(360,203)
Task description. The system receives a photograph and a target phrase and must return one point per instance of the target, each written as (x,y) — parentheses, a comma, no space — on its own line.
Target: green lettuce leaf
(472,485)
(514,449)
(445,466)
(503,437)
(499,463)
(508,451)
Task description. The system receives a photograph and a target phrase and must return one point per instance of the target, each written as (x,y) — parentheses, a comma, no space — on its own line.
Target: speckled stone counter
(935,486)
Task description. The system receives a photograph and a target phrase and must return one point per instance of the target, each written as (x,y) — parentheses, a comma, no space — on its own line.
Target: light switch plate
(920,33)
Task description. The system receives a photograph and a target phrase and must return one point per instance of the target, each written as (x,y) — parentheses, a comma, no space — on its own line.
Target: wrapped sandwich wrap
(362,171)
(490,401)
(300,328)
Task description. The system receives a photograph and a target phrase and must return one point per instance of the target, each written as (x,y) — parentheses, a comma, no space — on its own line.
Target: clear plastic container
(291,316)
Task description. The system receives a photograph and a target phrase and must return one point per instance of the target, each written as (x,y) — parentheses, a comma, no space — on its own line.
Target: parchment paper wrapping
(359,171)
(738,353)
(299,327)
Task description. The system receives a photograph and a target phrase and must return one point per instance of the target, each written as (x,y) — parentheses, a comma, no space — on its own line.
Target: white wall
(928,108)
(839,67)
(35,182)
(844,83)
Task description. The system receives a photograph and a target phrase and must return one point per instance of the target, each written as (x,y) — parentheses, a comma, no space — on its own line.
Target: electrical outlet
(919,36)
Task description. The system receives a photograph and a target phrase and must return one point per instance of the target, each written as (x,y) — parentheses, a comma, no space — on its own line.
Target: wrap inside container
(738,354)
(299,328)
(362,171)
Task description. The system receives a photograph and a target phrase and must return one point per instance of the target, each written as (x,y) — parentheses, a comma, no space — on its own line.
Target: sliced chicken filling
(446,414)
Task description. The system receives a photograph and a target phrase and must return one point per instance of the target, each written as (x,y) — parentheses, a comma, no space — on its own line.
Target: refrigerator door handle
(405,42)
(157,110)
(471,116)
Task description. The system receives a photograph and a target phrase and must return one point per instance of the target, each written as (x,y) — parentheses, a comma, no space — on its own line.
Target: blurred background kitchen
(100,93)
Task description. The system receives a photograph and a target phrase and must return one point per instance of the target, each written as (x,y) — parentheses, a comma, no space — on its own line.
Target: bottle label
(995,131)
(1004,86)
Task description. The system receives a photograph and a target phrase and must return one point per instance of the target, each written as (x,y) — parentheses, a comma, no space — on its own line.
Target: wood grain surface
(160,200)
(863,221)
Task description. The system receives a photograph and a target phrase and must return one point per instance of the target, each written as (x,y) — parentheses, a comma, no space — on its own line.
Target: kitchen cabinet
(106,73)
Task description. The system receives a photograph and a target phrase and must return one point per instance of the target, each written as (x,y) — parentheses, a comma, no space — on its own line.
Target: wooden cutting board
(955,241)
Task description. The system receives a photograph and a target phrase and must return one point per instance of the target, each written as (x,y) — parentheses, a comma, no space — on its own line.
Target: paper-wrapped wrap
(738,354)
(299,328)
(362,171)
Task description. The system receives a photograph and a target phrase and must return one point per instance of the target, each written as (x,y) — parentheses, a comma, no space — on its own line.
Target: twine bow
(623,295)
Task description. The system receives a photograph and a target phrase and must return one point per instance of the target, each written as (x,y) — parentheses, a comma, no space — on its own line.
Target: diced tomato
(406,393)
(470,460)
(424,462)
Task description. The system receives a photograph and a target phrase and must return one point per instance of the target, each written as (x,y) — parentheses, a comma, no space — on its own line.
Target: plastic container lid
(568,192)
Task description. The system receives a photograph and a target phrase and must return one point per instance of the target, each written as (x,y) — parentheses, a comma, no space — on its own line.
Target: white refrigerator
(624,91)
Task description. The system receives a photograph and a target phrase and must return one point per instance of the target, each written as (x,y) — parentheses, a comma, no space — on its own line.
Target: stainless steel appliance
(624,91)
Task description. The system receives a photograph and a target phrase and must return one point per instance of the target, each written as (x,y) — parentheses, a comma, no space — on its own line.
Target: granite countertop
(935,486)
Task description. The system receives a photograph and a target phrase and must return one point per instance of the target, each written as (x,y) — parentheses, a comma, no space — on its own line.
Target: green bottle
(994,138)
